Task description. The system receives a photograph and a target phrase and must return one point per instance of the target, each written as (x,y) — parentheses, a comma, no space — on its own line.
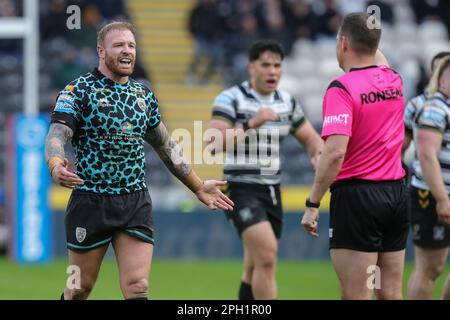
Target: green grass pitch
(179,279)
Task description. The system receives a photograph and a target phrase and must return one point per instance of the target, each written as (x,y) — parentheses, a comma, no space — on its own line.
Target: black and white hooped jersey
(435,115)
(257,159)
(411,109)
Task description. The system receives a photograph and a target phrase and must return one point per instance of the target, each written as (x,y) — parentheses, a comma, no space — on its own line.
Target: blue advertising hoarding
(30,217)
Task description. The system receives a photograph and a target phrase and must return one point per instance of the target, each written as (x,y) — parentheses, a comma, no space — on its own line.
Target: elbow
(337,155)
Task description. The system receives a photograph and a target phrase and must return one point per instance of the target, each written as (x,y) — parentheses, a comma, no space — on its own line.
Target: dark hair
(440,55)
(261,46)
(362,39)
(115,25)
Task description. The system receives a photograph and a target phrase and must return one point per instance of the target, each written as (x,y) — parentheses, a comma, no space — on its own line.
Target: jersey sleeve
(154,117)
(432,117)
(337,111)
(68,107)
(224,107)
(298,116)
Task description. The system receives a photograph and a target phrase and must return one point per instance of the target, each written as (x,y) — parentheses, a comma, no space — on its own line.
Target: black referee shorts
(92,218)
(427,231)
(369,216)
(254,203)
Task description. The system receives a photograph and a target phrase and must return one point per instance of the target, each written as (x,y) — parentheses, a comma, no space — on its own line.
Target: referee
(363,132)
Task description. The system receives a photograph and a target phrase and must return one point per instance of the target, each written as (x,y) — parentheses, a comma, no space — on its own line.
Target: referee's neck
(360,62)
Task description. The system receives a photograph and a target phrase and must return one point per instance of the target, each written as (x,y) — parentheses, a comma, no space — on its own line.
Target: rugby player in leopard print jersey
(108,116)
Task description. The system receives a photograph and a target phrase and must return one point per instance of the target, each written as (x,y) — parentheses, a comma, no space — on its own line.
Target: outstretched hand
(64,177)
(212,197)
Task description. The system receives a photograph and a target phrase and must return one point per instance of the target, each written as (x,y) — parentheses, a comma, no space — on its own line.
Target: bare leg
(428,265)
(89,263)
(352,270)
(134,258)
(391,267)
(446,290)
(262,246)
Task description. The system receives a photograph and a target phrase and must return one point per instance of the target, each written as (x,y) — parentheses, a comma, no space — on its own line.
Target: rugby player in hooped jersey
(259,115)
(430,187)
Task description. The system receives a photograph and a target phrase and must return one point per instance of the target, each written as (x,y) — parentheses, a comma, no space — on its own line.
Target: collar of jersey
(100,76)
(363,68)
(442,95)
(256,96)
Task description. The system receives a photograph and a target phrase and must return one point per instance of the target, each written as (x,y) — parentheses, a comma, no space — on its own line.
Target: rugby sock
(245,292)
(62,296)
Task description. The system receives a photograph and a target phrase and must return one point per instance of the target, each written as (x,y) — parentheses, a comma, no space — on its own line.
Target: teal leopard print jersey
(109,121)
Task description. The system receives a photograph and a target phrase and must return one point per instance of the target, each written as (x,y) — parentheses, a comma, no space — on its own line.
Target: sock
(245,292)
(138,298)
(62,296)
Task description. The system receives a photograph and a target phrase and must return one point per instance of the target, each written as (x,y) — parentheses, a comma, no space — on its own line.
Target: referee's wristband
(310,204)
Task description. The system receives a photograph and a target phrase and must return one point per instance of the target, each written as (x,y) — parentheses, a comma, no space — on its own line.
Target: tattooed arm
(172,155)
(55,158)
(57,137)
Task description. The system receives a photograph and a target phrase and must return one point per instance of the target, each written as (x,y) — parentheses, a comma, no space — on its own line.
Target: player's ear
(250,68)
(345,43)
(100,51)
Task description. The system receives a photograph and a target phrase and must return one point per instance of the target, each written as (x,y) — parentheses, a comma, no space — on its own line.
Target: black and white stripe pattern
(411,109)
(435,115)
(257,159)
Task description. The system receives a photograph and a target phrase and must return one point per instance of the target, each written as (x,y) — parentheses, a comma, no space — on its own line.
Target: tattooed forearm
(57,137)
(169,151)
(172,156)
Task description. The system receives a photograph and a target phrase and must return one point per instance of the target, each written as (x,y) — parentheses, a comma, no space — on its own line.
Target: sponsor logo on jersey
(336,119)
(377,96)
(127,127)
(141,103)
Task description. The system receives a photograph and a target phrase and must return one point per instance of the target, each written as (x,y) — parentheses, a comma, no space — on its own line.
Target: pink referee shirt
(367,105)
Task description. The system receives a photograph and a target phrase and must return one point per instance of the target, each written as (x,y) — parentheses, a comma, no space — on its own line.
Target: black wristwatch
(310,204)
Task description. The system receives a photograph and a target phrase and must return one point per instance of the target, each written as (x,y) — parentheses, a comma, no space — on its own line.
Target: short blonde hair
(433,85)
(115,25)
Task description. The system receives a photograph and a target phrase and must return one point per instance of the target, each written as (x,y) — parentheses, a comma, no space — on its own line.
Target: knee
(136,288)
(82,292)
(432,272)
(267,259)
